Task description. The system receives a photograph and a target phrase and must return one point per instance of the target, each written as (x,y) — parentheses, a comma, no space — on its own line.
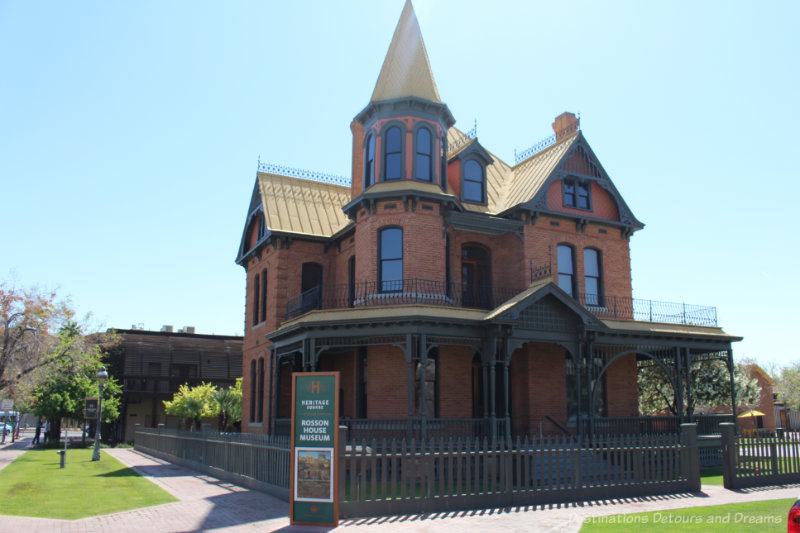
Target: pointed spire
(406,70)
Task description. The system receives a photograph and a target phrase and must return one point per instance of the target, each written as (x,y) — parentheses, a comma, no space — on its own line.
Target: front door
(476,284)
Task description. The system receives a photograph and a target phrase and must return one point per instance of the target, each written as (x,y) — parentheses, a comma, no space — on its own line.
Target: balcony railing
(427,292)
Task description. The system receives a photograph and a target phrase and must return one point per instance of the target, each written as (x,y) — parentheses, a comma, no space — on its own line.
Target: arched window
(263,313)
(566,269)
(260,415)
(369,163)
(262,227)
(443,161)
(253,391)
(390,259)
(393,154)
(591,277)
(256,296)
(424,155)
(473,186)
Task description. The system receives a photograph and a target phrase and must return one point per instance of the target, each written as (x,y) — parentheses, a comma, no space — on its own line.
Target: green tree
(787,385)
(70,379)
(230,405)
(193,404)
(710,382)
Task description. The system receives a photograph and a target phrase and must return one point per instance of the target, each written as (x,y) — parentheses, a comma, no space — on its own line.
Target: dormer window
(576,194)
(474,183)
(423,155)
(369,163)
(393,154)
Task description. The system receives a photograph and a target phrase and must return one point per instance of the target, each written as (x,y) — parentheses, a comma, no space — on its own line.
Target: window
(424,155)
(263,313)
(262,227)
(566,269)
(260,415)
(393,154)
(390,267)
(256,295)
(443,161)
(252,391)
(369,163)
(591,277)
(473,182)
(576,194)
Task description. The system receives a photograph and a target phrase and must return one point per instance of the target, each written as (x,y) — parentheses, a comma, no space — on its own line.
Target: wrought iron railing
(621,308)
(427,292)
(398,292)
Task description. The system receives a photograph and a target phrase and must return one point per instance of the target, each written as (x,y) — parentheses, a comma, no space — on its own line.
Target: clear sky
(130,134)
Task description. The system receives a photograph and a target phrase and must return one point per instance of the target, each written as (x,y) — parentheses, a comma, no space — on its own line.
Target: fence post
(341,473)
(729,449)
(692,455)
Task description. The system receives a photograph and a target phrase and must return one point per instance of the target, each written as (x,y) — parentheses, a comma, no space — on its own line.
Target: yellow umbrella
(751,413)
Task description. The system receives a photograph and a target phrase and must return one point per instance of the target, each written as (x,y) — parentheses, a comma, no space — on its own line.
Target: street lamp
(102,375)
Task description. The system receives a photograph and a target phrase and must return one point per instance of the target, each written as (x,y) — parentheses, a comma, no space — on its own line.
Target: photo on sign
(313,474)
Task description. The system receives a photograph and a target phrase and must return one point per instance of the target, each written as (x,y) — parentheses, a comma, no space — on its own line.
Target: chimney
(566,124)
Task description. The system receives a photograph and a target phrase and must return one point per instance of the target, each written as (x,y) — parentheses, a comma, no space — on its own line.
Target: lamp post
(102,375)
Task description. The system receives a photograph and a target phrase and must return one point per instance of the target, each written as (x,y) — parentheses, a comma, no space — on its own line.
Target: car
(8,428)
(793,523)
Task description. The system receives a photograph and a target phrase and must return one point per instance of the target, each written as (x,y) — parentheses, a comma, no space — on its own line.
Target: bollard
(63,454)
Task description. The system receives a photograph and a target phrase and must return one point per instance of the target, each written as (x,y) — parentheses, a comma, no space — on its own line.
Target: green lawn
(761,517)
(35,485)
(711,476)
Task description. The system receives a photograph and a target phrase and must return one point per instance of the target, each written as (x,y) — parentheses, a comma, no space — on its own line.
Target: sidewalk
(208,504)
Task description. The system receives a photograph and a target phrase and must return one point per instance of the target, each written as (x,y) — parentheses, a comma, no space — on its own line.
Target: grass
(761,517)
(711,476)
(34,485)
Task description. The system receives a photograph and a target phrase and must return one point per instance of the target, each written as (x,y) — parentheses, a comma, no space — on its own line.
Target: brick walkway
(208,504)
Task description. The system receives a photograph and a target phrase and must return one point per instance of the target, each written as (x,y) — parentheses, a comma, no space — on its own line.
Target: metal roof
(406,69)
(304,207)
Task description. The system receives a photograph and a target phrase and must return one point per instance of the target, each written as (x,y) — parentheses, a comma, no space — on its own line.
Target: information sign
(90,409)
(7,404)
(315,449)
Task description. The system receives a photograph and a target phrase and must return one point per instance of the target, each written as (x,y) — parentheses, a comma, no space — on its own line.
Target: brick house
(451,289)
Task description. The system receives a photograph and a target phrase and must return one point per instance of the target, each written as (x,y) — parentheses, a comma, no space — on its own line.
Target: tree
(230,405)
(71,377)
(710,384)
(787,385)
(193,404)
(29,320)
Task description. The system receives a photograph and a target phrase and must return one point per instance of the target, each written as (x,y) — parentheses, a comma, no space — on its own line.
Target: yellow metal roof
(406,70)
(373,314)
(669,329)
(301,206)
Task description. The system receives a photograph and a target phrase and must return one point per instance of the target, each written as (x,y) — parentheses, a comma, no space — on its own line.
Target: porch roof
(659,328)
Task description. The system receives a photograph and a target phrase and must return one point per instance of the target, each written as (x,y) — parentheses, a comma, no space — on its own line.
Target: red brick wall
(506,254)
(345,364)
(387,390)
(603,205)
(622,393)
(455,382)
(541,245)
(539,387)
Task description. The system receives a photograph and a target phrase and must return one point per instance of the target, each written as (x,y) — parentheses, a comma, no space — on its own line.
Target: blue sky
(130,134)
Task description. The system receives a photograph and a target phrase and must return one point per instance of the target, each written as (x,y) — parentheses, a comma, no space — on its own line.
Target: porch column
(679,392)
(306,357)
(313,357)
(733,390)
(590,376)
(689,415)
(410,363)
(422,349)
(493,392)
(274,393)
(270,415)
(506,364)
(578,371)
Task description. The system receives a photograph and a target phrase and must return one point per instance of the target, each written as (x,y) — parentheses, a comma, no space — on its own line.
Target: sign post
(315,449)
